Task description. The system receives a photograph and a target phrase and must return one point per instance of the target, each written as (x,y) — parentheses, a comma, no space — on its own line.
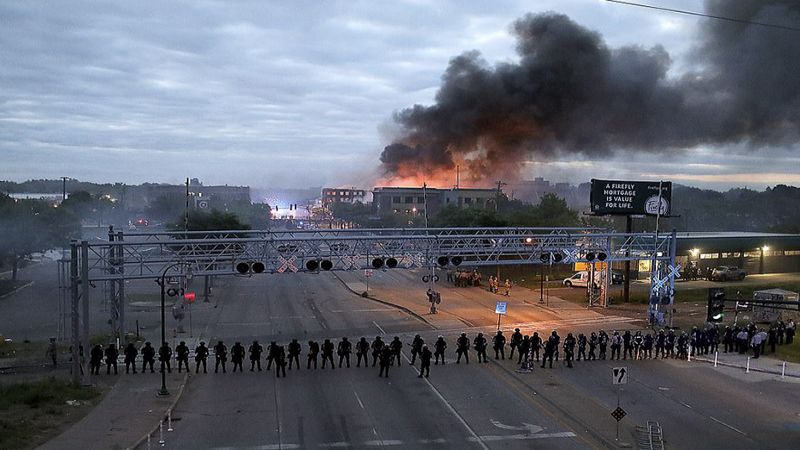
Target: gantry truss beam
(146,255)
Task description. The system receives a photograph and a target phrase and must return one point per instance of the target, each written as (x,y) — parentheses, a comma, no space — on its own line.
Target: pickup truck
(725,273)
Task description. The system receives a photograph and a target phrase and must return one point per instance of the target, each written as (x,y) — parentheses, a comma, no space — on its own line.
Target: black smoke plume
(570,93)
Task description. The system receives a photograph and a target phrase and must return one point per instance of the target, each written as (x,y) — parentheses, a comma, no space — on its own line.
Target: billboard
(630,197)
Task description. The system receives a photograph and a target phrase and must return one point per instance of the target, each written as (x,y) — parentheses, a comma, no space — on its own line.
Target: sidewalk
(129,412)
(764,364)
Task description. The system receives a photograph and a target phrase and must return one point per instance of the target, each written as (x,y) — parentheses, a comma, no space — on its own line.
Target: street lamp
(162,282)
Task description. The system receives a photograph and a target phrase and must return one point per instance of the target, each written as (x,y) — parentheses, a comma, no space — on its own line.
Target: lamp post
(162,282)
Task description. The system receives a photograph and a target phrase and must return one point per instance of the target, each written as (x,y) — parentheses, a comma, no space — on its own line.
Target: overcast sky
(290,94)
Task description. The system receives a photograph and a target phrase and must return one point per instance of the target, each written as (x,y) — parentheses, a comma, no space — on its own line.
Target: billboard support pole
(626,287)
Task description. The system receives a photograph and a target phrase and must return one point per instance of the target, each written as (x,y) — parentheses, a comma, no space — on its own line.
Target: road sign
(618,413)
(619,375)
(500,308)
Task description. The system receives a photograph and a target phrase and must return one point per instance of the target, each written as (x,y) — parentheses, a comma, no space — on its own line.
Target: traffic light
(716,305)
(245,268)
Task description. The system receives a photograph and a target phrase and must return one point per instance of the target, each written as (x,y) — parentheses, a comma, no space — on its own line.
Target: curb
(10,293)
(172,405)
(752,369)
(384,302)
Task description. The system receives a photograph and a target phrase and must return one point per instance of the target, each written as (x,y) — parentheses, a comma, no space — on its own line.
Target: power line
(710,16)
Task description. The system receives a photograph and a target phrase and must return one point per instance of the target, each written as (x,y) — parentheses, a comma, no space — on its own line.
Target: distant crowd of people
(462,278)
(529,349)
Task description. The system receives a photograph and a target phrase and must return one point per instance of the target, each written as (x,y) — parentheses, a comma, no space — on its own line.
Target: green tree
(29,226)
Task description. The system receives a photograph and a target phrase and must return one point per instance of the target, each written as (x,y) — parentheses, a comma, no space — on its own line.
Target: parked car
(725,273)
(617,277)
(580,279)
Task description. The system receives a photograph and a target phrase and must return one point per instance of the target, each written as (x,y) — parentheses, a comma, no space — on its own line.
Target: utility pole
(500,185)
(64,188)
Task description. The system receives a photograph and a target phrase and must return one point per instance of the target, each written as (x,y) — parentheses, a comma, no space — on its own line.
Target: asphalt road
(460,406)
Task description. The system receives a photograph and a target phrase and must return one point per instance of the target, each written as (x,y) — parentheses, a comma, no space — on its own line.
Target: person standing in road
(313,352)
(294,353)
(237,356)
(425,361)
(130,357)
(791,329)
(516,339)
(200,356)
(111,358)
(550,349)
(362,350)
(386,358)
(148,356)
(280,361)
(327,353)
(164,356)
(616,344)
(536,344)
(377,348)
(396,346)
(627,345)
(593,339)
(479,344)
(569,349)
(221,355)
(255,351)
(272,348)
(507,286)
(96,359)
(462,348)
(499,344)
(440,346)
(416,347)
(182,352)
(602,343)
(343,350)
(524,349)
(581,346)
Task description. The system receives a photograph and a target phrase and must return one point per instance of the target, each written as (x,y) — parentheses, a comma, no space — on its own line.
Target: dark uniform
(569,349)
(499,344)
(327,353)
(602,342)
(221,355)
(396,347)
(416,347)
(130,358)
(164,356)
(425,356)
(362,350)
(616,345)
(182,352)
(536,344)
(96,359)
(377,348)
(627,345)
(524,349)
(237,356)
(581,346)
(343,350)
(462,348)
(148,356)
(550,349)
(479,344)
(111,358)
(255,351)
(271,349)
(516,339)
(280,361)
(200,356)
(294,353)
(313,351)
(440,347)
(647,346)
(386,357)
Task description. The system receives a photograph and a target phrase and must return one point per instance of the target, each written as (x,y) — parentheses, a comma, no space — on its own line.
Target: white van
(581,279)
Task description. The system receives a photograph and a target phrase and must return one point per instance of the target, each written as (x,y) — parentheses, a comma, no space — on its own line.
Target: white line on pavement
(359,400)
(726,425)
(379,327)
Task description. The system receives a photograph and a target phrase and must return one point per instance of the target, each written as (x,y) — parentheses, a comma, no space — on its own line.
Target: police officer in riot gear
(271,349)
(439,347)
(200,356)
(237,356)
(377,348)
(362,350)
(569,349)
(255,351)
(516,339)
(130,358)
(111,358)
(182,356)
(386,357)
(164,356)
(313,352)
(499,344)
(462,348)
(221,355)
(327,353)
(425,361)
(294,354)
(148,356)
(396,347)
(280,361)
(479,344)
(343,350)
(416,347)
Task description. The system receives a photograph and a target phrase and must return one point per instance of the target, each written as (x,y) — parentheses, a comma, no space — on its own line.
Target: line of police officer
(637,345)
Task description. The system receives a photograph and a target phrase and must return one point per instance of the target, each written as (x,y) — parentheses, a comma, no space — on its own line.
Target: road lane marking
(448,405)
(685,404)
(334,444)
(359,400)
(523,437)
(381,443)
(379,327)
(728,426)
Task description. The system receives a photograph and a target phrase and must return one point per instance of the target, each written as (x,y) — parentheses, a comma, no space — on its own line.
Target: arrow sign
(619,375)
(525,427)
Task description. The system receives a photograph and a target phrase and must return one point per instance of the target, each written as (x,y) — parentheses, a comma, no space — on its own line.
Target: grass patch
(789,353)
(7,286)
(31,412)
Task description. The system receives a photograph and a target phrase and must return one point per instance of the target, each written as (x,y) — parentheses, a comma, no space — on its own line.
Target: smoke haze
(569,92)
